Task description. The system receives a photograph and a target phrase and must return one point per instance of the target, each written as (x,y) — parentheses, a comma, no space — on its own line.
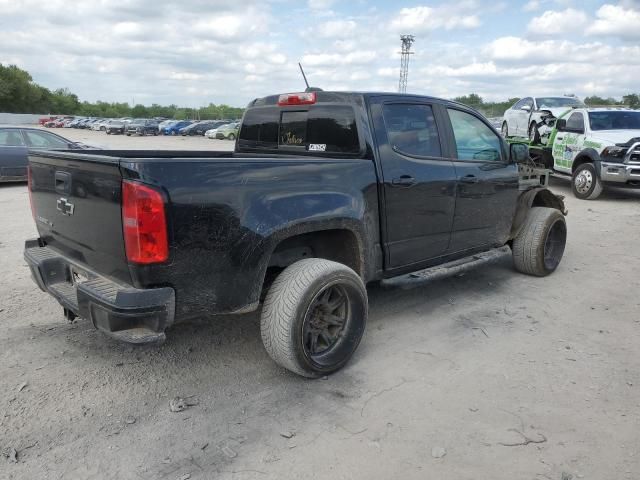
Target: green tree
(20,94)
(472,100)
(632,100)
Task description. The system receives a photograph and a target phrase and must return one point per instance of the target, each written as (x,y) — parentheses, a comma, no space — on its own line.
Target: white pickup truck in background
(593,147)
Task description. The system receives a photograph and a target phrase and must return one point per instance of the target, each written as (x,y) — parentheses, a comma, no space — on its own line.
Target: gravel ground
(487,375)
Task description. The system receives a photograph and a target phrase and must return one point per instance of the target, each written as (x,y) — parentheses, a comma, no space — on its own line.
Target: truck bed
(225,212)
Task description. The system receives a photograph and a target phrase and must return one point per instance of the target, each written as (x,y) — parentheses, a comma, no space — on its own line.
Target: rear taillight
(305,98)
(30,188)
(144,223)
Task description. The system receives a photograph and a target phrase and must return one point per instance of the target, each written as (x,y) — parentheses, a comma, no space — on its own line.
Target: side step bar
(415,279)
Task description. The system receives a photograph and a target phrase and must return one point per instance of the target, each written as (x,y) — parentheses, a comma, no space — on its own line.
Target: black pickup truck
(324,193)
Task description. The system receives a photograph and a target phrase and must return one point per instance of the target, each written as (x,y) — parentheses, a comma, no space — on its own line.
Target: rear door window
(320,128)
(412,130)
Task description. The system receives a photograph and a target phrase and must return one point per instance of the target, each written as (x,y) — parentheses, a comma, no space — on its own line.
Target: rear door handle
(469,179)
(403,181)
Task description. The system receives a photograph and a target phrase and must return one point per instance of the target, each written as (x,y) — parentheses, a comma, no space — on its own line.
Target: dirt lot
(500,375)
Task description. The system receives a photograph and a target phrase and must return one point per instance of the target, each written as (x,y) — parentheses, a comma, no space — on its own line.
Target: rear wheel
(539,246)
(505,129)
(314,317)
(585,183)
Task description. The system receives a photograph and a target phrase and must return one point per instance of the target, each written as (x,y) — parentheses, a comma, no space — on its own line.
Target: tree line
(495,109)
(20,94)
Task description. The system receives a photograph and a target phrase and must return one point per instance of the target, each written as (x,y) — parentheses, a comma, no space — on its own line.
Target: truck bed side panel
(228,216)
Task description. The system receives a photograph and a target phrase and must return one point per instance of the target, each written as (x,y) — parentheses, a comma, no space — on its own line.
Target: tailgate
(76,200)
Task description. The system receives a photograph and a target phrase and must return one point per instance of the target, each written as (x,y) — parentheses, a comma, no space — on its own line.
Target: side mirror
(561,124)
(526,108)
(519,152)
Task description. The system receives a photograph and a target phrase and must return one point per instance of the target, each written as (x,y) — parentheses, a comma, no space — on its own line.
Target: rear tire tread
(279,312)
(528,246)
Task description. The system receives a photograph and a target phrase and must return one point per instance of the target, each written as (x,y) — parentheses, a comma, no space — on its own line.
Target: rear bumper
(121,311)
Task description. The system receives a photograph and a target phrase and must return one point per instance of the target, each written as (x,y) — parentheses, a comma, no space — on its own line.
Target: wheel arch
(588,155)
(339,242)
(535,197)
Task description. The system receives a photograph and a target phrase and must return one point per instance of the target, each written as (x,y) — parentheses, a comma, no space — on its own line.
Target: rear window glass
(320,128)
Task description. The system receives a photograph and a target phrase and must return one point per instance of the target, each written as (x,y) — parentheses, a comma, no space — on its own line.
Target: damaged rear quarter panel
(227,217)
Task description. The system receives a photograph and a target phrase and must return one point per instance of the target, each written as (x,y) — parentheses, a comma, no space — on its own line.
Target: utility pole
(407,41)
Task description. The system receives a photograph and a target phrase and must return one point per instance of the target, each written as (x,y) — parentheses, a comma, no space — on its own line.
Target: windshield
(614,120)
(556,102)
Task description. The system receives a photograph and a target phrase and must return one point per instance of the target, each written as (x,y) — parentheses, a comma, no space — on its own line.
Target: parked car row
(220,129)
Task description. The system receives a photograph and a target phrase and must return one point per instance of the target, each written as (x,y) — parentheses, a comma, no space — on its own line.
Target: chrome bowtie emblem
(65,207)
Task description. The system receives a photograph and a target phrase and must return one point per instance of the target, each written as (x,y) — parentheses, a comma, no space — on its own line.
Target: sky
(196,52)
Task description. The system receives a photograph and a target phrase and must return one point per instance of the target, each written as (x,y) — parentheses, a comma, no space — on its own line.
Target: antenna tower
(407,41)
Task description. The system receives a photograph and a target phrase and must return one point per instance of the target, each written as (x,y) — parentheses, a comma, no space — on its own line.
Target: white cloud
(336,28)
(184,76)
(423,19)
(553,23)
(617,21)
(330,59)
(531,6)
(387,72)
(192,54)
(320,4)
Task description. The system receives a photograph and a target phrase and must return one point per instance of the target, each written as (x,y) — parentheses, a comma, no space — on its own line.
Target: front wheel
(539,246)
(585,183)
(314,317)
(505,129)
(231,136)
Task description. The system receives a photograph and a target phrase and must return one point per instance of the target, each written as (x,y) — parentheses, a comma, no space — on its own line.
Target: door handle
(559,138)
(469,179)
(403,181)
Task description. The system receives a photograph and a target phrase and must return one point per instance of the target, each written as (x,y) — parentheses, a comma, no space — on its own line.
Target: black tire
(108,132)
(534,133)
(504,129)
(314,317)
(539,246)
(231,136)
(585,183)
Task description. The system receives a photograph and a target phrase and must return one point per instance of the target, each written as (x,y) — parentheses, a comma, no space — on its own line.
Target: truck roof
(345,96)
